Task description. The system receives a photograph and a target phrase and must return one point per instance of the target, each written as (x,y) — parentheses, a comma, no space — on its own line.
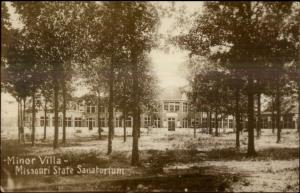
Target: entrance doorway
(171,124)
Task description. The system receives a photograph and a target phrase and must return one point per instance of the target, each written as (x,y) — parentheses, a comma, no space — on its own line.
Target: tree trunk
(98,117)
(251,148)
(241,123)
(110,107)
(258,127)
(278,116)
(23,121)
(113,130)
(209,124)
(216,123)
(139,122)
(273,115)
(195,123)
(19,120)
(135,129)
(298,126)
(124,124)
(56,89)
(45,115)
(64,111)
(237,118)
(33,121)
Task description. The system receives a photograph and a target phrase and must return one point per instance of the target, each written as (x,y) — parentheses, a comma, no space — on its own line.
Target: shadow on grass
(199,182)
(266,154)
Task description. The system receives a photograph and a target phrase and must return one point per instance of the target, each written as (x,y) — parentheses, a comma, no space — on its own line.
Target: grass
(159,150)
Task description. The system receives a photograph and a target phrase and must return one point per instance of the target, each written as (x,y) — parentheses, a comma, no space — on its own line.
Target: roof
(172,93)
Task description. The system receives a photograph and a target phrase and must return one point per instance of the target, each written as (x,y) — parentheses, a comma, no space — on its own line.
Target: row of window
(175,106)
(287,122)
(168,106)
(225,124)
(78,122)
(92,109)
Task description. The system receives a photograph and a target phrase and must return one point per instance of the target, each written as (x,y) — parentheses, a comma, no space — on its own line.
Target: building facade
(173,111)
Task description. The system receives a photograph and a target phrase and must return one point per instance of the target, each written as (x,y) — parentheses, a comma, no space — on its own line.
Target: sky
(169,66)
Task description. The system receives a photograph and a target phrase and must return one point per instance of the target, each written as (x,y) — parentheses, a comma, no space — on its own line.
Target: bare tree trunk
(216,123)
(195,123)
(237,118)
(45,123)
(258,127)
(298,126)
(56,89)
(273,115)
(19,120)
(23,120)
(139,122)
(124,124)
(278,116)
(98,117)
(33,121)
(64,111)
(110,107)
(135,129)
(209,124)
(251,148)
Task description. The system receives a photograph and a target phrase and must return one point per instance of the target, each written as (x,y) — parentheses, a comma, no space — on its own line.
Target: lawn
(169,161)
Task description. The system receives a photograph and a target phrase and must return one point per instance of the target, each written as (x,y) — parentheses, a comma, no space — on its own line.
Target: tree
(24,71)
(249,40)
(95,77)
(57,30)
(142,25)
(47,95)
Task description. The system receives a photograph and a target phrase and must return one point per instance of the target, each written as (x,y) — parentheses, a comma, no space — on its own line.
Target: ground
(169,161)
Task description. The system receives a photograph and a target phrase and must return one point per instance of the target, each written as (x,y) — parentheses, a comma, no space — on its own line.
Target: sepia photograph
(150,96)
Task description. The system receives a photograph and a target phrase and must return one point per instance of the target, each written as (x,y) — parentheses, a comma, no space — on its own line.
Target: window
(219,123)
(78,122)
(147,121)
(195,121)
(128,122)
(68,121)
(102,122)
(172,107)
(184,107)
(204,122)
(185,123)
(91,109)
(59,121)
(118,122)
(157,122)
(230,123)
(166,106)
(225,123)
(102,109)
(91,122)
(42,121)
(177,106)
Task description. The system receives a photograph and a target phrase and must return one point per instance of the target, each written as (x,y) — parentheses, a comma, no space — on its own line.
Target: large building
(173,111)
